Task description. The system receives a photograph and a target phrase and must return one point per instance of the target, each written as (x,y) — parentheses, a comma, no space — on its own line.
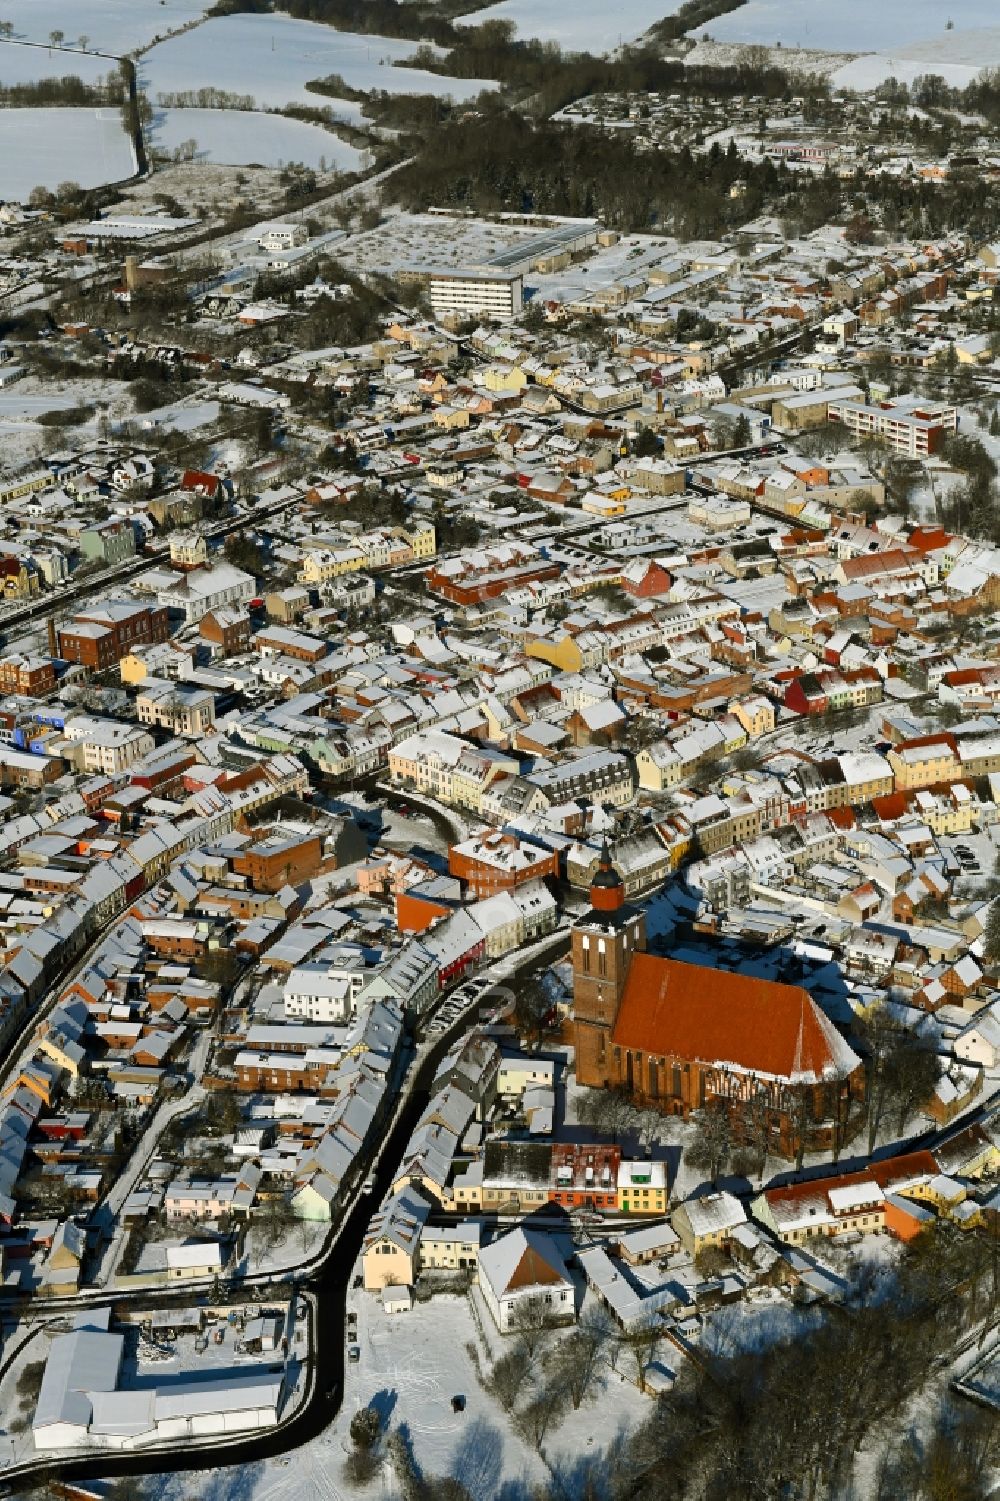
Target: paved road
(329,1282)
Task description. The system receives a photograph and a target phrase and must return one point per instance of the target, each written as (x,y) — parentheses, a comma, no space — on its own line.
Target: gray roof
(78,1364)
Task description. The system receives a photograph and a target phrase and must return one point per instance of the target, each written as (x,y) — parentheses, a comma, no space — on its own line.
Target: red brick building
(275,861)
(228,631)
(489,572)
(30,676)
(679,1036)
(98,638)
(500,862)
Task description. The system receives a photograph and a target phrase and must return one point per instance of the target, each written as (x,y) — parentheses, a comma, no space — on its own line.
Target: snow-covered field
(900,38)
(115,26)
(273,57)
(955,56)
(239,138)
(410,1368)
(44,147)
(852,25)
(24,64)
(579,25)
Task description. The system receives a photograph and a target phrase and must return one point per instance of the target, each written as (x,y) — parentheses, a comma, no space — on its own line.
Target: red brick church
(678,1035)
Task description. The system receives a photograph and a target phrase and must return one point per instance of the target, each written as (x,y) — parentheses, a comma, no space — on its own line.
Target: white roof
(229,1391)
(855,1196)
(718,1211)
(194,1254)
(79,1363)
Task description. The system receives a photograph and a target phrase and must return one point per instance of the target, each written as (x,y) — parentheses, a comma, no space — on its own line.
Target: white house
(519,1267)
(979,1042)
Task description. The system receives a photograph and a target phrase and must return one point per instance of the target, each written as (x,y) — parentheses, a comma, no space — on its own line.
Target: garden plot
(46,147)
(113,26)
(579,25)
(241,138)
(273,58)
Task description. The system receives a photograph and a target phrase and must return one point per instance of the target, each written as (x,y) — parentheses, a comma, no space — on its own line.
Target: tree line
(68,92)
(499,160)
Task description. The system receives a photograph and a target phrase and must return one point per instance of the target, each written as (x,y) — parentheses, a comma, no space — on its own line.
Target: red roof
(928,538)
(891,805)
(890,1171)
(842,818)
(677,1010)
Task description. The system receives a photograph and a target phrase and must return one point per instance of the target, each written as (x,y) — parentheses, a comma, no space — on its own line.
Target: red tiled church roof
(676,1010)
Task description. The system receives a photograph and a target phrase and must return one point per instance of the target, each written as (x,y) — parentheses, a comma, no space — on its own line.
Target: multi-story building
(279,860)
(204,589)
(106,745)
(927,761)
(500,862)
(494,295)
(109,541)
(909,425)
(31,676)
(100,635)
(185,711)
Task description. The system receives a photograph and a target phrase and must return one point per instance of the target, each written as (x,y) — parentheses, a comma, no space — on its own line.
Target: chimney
(53,642)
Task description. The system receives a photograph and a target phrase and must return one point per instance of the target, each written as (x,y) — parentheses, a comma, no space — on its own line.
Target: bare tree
(900,1070)
(509,1375)
(642,1342)
(534,1013)
(712,1147)
(573,1361)
(531,1320)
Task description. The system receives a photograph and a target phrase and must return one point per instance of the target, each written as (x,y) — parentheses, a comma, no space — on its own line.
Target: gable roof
(679,1010)
(522,1259)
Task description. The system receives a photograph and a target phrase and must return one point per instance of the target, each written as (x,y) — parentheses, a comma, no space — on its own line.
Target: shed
(397,1299)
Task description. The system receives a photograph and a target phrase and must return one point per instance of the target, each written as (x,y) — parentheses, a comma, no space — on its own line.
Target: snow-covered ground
(240,138)
(46,147)
(855,25)
(27,64)
(579,25)
(273,58)
(900,38)
(181,417)
(114,26)
(410,1368)
(871,70)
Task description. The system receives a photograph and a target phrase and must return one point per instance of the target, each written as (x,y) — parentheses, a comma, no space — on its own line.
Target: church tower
(604,940)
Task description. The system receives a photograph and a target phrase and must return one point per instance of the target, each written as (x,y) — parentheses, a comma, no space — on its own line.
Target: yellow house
(65,1052)
(600,503)
(392,1244)
(755,714)
(324,564)
(422,539)
(20,582)
(133,670)
(450,417)
(564,654)
(659,766)
(924,764)
(709,1221)
(505,379)
(451,1248)
(642,1187)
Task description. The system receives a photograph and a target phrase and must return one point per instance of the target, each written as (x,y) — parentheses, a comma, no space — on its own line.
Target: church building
(678,1036)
